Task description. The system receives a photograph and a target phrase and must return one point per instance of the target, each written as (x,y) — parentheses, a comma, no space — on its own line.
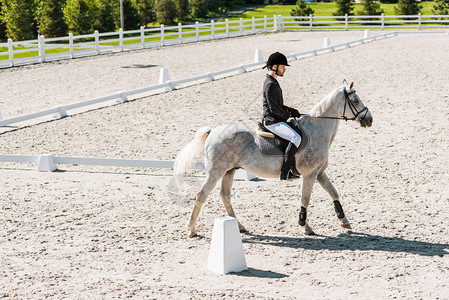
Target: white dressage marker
(226,250)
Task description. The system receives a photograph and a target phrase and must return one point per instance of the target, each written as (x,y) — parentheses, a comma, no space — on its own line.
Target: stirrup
(290,176)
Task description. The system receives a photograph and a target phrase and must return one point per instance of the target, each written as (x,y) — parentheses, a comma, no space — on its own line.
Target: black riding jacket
(274,110)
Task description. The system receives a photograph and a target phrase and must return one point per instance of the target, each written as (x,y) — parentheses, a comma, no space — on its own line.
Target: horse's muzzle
(366,121)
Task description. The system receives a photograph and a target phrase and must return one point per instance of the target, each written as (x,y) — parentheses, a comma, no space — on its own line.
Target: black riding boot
(289,163)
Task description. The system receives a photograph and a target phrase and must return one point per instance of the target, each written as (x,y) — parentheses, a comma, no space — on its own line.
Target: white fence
(49,163)
(381,22)
(42,49)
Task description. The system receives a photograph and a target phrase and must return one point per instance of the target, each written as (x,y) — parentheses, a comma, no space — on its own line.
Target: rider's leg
(286,132)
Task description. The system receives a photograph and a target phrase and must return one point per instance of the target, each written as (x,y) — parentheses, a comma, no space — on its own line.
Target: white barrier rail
(61,110)
(42,49)
(49,163)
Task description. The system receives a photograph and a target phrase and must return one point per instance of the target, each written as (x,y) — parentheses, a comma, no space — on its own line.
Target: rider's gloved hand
(294,113)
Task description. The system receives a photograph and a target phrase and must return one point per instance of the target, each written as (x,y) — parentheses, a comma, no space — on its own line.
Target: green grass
(321,9)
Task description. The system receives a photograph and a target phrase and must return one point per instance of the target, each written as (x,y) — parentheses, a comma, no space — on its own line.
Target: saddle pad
(268,147)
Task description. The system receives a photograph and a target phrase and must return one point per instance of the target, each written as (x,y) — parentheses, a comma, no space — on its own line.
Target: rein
(353,109)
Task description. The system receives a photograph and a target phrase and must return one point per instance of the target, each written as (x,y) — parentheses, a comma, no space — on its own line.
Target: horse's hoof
(345,223)
(242,229)
(347,226)
(193,234)
(308,230)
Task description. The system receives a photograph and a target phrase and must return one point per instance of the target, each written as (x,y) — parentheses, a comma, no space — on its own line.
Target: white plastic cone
(326,42)
(258,57)
(226,250)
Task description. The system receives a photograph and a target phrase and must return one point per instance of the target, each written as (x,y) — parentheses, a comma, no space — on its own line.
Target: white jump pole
(226,251)
(326,42)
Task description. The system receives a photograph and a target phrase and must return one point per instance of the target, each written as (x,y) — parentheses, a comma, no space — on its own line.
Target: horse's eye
(356,100)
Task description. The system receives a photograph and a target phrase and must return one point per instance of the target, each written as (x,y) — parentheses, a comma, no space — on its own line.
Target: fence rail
(42,49)
(49,163)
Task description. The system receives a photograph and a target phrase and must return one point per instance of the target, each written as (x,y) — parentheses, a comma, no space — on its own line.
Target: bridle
(351,106)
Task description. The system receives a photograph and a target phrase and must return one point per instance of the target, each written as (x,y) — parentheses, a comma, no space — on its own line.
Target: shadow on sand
(352,241)
(251,272)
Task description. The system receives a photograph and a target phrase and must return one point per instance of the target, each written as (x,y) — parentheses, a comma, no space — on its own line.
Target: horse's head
(354,108)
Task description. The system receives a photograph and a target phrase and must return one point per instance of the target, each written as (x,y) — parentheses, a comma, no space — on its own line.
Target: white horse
(230,147)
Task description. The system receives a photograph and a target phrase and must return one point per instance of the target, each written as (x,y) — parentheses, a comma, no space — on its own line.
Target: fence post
(311,21)
(254,24)
(419,21)
(162,34)
(275,23)
(120,34)
(180,33)
(383,21)
(281,23)
(346,22)
(227,28)
(241,26)
(10,53)
(97,42)
(264,23)
(72,52)
(212,28)
(197,31)
(41,46)
(142,37)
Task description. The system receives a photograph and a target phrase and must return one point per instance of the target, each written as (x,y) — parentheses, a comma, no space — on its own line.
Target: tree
(408,7)
(441,7)
(145,9)
(165,11)
(50,18)
(108,16)
(370,8)
(182,9)
(343,7)
(130,15)
(81,16)
(301,9)
(199,8)
(19,19)
(2,25)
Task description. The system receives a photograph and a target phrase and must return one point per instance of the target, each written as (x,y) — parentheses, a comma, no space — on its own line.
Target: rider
(275,113)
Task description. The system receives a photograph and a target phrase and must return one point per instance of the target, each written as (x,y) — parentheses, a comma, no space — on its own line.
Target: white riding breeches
(286,132)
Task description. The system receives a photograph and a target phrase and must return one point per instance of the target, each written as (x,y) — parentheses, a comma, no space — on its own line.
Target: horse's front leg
(329,187)
(307,187)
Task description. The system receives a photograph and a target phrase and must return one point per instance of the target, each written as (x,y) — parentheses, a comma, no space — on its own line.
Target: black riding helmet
(276,58)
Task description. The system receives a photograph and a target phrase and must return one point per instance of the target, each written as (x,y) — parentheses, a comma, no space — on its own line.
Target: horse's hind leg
(329,187)
(209,184)
(225,194)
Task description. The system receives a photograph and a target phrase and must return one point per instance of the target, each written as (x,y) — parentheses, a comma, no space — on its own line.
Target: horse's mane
(324,104)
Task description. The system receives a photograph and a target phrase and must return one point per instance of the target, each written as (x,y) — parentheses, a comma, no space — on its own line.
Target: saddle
(273,145)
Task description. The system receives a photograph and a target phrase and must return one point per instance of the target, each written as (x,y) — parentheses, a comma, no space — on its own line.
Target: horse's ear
(352,84)
(345,83)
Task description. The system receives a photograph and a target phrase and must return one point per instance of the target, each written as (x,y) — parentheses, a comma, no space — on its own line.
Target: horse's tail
(186,155)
